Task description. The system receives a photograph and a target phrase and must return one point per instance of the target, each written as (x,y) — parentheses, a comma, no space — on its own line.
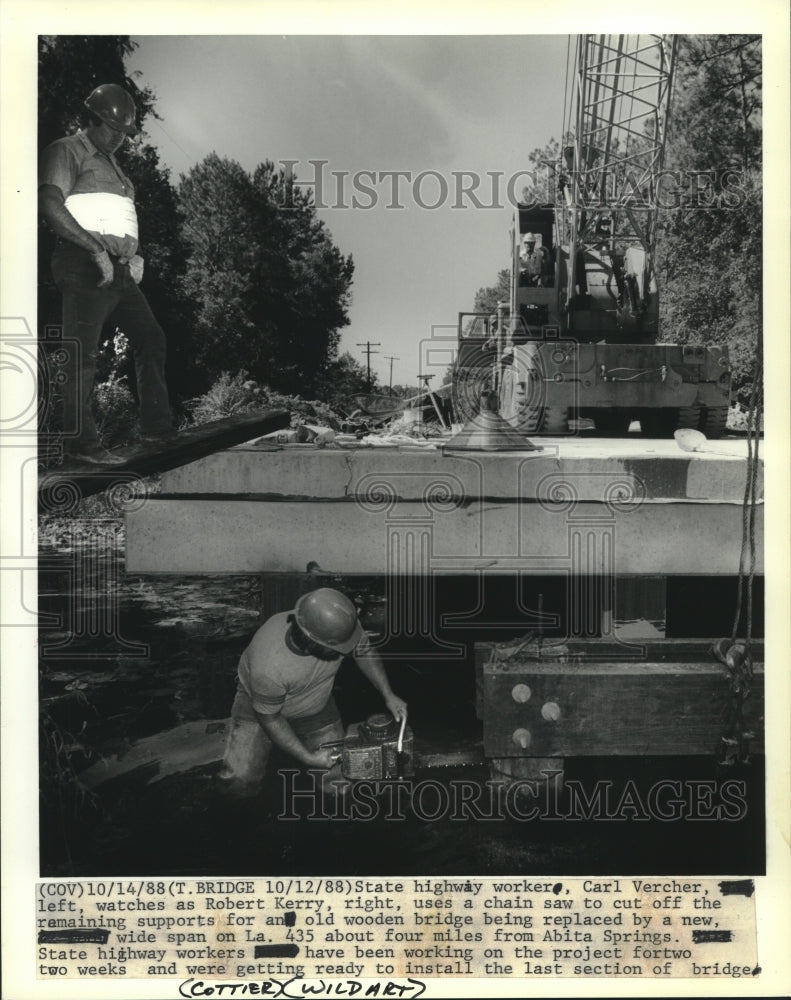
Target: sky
(444,104)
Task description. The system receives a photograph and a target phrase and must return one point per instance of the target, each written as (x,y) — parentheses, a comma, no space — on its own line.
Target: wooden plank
(82,480)
(585,709)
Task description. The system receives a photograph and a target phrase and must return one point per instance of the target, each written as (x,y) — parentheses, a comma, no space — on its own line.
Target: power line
(368,352)
(190,158)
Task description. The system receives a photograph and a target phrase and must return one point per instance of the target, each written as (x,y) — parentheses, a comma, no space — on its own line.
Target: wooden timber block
(578,706)
(530,773)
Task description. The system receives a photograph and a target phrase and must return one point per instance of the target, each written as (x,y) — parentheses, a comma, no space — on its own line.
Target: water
(173,672)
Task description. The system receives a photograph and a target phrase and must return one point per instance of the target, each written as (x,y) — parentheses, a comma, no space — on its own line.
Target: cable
(748,508)
(736,739)
(565,96)
(162,128)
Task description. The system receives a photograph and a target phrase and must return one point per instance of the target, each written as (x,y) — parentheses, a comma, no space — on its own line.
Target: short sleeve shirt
(533,262)
(280,681)
(96,191)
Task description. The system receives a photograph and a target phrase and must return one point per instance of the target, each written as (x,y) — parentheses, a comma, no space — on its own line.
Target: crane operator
(535,263)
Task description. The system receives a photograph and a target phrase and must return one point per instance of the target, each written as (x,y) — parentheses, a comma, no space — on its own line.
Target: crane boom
(623,86)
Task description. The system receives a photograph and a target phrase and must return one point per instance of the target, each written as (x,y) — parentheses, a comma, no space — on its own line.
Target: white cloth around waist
(103,213)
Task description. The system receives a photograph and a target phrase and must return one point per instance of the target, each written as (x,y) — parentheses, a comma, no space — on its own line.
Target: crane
(580,335)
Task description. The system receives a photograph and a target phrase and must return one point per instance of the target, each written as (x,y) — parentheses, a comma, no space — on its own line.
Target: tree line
(241,284)
(237,282)
(709,258)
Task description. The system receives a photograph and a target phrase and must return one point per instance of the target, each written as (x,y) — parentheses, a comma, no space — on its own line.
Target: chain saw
(378,749)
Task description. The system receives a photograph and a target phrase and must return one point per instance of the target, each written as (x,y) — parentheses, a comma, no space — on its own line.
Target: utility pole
(368,352)
(425,379)
(391,360)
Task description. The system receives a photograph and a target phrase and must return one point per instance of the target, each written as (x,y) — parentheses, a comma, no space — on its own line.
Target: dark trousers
(85,310)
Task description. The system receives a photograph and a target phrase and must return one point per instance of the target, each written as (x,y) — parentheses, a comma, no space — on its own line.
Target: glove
(105,265)
(136,265)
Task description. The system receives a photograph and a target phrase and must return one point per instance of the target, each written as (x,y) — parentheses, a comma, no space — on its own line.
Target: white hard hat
(529,238)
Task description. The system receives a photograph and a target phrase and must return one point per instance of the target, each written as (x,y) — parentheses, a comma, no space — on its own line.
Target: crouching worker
(284,696)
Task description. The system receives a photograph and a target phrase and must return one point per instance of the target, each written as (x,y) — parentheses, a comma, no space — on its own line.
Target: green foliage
(229,395)
(717,104)
(341,379)
(270,288)
(114,407)
(486,298)
(545,164)
(403,391)
(113,403)
(234,394)
(306,411)
(115,412)
(709,257)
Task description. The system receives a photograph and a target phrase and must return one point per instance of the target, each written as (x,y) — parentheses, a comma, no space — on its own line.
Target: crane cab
(605,293)
(534,289)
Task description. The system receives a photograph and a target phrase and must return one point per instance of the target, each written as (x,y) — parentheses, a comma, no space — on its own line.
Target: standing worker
(88,202)
(535,264)
(284,695)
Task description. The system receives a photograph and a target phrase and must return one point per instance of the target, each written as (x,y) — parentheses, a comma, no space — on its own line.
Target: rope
(753,460)
(565,97)
(737,658)
(748,508)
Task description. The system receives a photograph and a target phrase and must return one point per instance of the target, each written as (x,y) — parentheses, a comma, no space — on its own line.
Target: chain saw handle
(400,747)
(335,746)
